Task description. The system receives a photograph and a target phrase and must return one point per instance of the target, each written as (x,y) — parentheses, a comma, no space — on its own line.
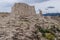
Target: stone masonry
(24,10)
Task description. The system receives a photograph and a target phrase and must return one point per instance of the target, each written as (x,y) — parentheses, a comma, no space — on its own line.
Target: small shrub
(49,36)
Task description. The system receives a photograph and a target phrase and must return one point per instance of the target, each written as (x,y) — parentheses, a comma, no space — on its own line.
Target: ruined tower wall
(23,10)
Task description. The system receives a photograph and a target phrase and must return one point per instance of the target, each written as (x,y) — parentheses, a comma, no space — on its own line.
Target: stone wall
(4,14)
(23,10)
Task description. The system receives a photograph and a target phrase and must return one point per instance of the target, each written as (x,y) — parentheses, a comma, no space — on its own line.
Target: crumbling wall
(23,10)
(4,14)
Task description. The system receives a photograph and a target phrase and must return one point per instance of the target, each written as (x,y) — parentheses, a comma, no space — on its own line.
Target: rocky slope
(34,27)
(30,28)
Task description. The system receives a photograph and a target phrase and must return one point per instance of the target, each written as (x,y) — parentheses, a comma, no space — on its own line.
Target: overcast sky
(5,5)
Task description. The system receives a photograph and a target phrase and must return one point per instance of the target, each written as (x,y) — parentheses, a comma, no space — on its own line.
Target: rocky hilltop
(24,24)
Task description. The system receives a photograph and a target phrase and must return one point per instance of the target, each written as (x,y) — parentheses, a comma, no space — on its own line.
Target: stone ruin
(14,28)
(24,10)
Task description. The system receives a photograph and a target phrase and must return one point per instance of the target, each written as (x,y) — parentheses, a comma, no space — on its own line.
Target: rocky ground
(29,28)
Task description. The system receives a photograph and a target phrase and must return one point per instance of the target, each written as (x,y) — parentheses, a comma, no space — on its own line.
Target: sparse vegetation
(21,25)
(49,36)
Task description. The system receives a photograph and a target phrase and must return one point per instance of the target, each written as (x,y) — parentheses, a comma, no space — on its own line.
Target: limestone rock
(23,24)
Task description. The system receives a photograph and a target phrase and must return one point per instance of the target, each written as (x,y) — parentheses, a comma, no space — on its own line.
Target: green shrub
(49,36)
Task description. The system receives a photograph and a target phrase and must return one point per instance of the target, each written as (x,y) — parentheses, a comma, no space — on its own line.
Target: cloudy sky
(51,6)
(44,5)
(5,5)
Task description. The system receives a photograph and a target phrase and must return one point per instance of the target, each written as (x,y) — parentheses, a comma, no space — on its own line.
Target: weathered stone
(24,10)
(24,24)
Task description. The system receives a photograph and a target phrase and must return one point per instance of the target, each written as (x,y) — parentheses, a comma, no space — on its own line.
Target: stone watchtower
(23,10)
